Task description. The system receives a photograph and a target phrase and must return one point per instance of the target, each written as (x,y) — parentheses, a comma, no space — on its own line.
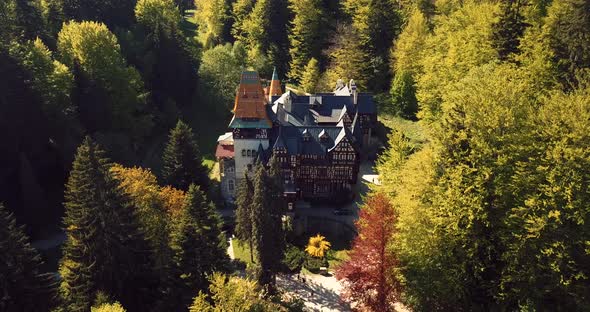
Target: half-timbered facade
(317,138)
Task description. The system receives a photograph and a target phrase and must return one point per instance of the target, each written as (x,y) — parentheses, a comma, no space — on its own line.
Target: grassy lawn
(241,251)
(411,129)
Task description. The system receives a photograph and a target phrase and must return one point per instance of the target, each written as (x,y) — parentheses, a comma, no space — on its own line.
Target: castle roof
(250,103)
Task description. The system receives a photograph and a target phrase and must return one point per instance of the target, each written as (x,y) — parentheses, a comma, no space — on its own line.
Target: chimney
(353,91)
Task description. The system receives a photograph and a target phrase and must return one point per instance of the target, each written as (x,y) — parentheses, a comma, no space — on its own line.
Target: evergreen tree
(105,249)
(276,188)
(377,24)
(568,24)
(348,60)
(307,35)
(509,29)
(23,286)
(403,95)
(244,213)
(182,163)
(311,76)
(199,245)
(266,228)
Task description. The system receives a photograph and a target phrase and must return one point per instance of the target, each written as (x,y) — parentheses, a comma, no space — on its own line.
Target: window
(249,167)
(249,152)
(243,152)
(230,185)
(254,153)
(230,169)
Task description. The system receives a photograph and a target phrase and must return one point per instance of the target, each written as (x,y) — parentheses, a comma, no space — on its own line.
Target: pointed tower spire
(275,85)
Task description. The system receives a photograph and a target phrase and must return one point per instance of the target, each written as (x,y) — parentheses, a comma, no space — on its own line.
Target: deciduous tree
(369,277)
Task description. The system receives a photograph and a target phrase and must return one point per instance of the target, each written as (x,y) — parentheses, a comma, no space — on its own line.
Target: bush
(294,258)
(314,264)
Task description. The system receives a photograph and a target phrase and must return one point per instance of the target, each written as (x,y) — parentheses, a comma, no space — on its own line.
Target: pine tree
(277,209)
(244,229)
(403,95)
(510,28)
(307,35)
(199,245)
(311,76)
(182,160)
(266,228)
(348,60)
(22,284)
(105,249)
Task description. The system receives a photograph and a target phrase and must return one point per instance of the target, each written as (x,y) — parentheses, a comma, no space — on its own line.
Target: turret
(275,85)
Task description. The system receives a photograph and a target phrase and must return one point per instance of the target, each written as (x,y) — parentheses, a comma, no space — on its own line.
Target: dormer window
(306,135)
(324,136)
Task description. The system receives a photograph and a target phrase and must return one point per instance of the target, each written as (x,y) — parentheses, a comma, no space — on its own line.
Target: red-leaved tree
(368,278)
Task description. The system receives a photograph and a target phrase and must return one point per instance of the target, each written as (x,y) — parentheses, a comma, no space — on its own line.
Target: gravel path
(320,293)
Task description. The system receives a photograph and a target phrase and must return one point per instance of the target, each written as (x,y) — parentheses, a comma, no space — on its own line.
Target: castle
(317,138)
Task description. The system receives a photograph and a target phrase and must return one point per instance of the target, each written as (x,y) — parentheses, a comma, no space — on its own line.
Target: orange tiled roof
(250,101)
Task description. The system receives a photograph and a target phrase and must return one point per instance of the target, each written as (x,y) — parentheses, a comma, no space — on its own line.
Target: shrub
(314,264)
(294,258)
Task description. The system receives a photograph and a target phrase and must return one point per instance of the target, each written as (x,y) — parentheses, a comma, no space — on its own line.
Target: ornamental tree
(368,275)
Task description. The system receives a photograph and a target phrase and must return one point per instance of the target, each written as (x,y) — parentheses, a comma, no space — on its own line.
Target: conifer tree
(276,210)
(244,213)
(268,238)
(403,95)
(311,76)
(306,36)
(509,29)
(105,249)
(22,284)
(199,245)
(182,163)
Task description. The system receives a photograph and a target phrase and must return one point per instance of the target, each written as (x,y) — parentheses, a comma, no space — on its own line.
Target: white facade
(245,153)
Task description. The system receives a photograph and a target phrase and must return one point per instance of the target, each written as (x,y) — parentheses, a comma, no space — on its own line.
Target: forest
(109,110)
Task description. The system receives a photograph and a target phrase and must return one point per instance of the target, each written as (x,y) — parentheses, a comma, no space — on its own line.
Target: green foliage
(403,95)
(108,307)
(23,284)
(199,245)
(158,15)
(182,163)
(211,17)
(348,60)
(221,67)
(105,249)
(50,78)
(313,264)
(509,29)
(114,13)
(294,258)
(244,217)
(567,24)
(231,293)
(110,94)
(307,35)
(410,44)
(311,76)
(460,43)
(376,22)
(269,238)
